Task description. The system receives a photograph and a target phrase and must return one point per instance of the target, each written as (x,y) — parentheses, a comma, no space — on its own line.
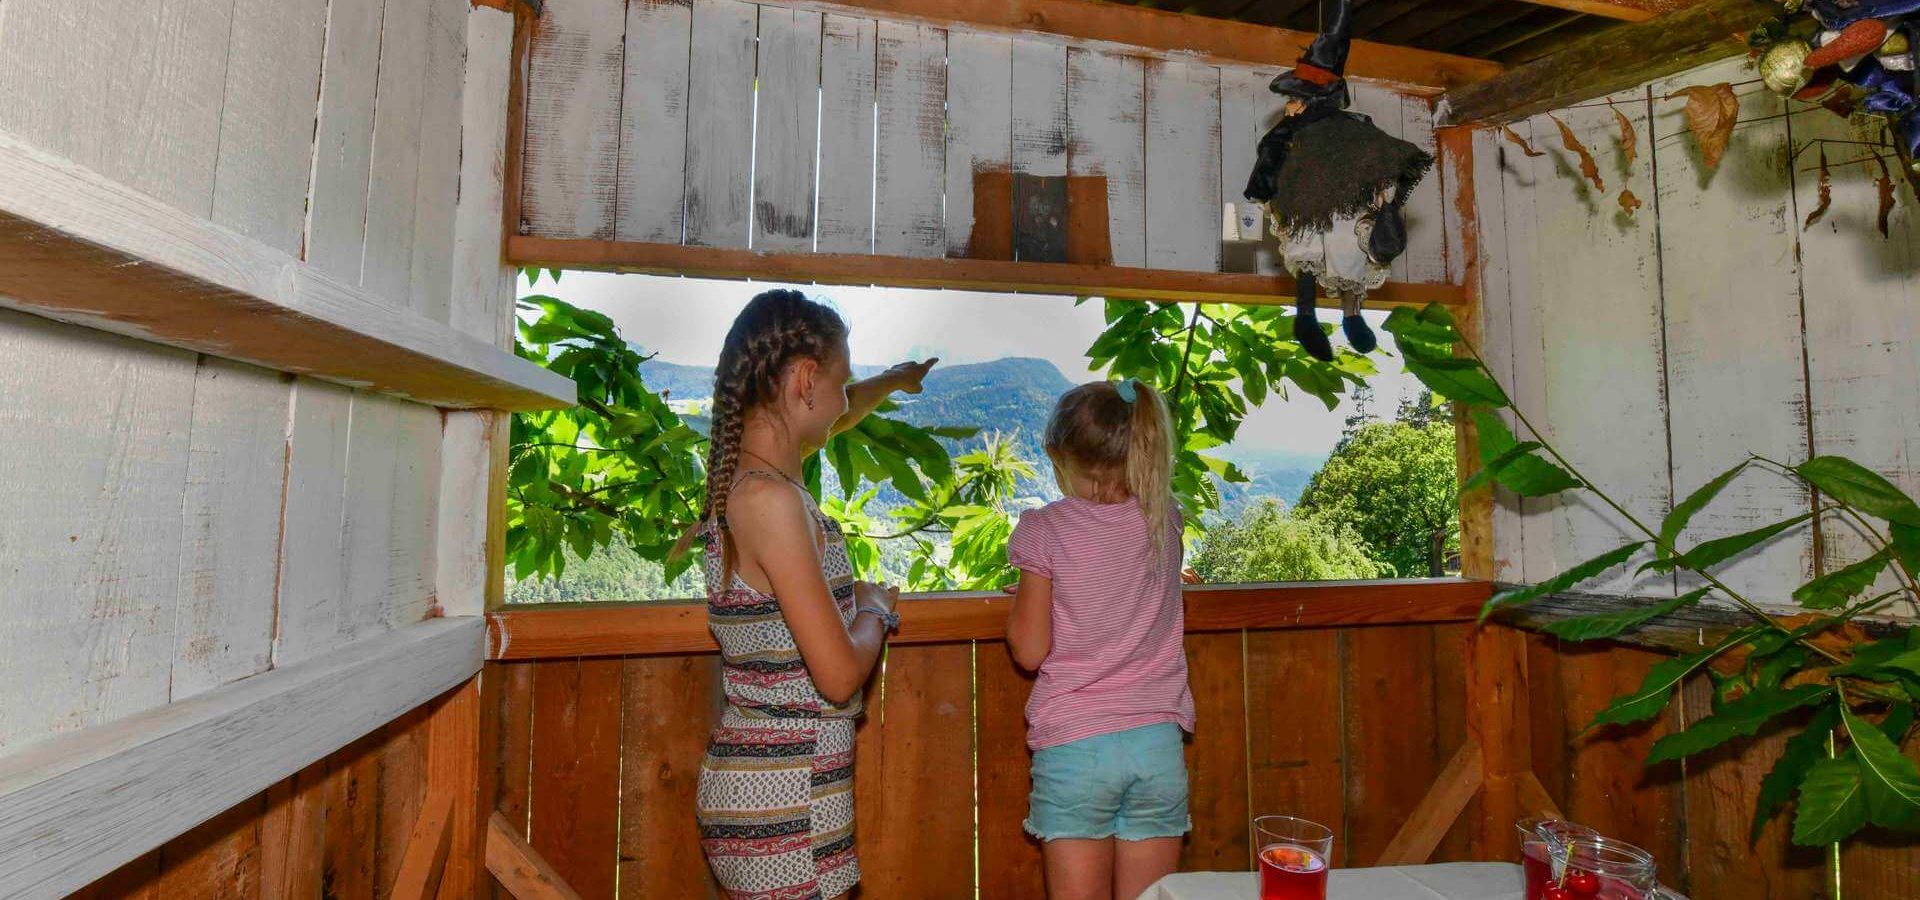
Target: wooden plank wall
(646,127)
(1659,349)
(598,759)
(184,521)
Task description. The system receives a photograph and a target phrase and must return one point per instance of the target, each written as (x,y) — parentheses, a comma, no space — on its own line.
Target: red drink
(1579,884)
(1292,873)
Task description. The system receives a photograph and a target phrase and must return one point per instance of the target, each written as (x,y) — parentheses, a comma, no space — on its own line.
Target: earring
(809,401)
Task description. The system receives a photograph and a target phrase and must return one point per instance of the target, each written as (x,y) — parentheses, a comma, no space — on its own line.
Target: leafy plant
(1845,770)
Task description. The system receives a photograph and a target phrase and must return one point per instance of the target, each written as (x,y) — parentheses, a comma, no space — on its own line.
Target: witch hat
(1321,72)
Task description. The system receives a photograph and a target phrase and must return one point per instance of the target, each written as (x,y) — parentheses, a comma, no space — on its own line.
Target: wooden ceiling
(1505,31)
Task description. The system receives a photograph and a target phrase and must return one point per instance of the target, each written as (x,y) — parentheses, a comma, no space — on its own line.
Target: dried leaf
(1711,112)
(1629,140)
(1826,191)
(1518,141)
(1629,202)
(1587,166)
(1885,185)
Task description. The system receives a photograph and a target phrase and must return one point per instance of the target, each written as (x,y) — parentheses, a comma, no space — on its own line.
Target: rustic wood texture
(847,51)
(520,869)
(267,120)
(1107,139)
(910,92)
(427,849)
(786,129)
(1183,166)
(719,137)
(1009,857)
(914,834)
(1295,746)
(1723,863)
(387,260)
(573,83)
(979,136)
(670,705)
(653,121)
(1388,711)
(575,795)
(1456,785)
(454,755)
(292,835)
(1217,755)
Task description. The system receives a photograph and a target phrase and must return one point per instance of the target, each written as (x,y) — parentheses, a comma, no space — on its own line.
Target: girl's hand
(868,595)
(907,376)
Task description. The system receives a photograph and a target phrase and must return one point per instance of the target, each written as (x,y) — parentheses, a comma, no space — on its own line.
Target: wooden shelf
(547,631)
(1113,282)
(80,248)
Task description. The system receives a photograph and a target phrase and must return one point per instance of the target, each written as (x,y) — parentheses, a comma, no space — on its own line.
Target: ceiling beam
(1217,40)
(1623,10)
(1612,60)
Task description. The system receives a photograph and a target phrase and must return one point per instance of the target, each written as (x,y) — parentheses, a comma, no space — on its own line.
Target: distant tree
(1422,411)
(1395,485)
(1361,415)
(1268,544)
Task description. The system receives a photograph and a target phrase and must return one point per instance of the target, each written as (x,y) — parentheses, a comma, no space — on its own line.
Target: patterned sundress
(775,802)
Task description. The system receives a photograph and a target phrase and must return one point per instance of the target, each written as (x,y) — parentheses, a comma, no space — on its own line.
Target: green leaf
(1458,379)
(1874,658)
(1898,721)
(1706,555)
(1646,701)
(1836,588)
(1608,624)
(1683,512)
(1833,803)
(1740,718)
(1859,487)
(1563,581)
(1796,757)
(1906,546)
(1892,780)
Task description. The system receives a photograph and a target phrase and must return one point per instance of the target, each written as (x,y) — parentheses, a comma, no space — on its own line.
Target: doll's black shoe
(1307,330)
(1359,334)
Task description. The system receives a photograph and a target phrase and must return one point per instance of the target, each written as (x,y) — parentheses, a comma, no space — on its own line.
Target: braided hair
(776,328)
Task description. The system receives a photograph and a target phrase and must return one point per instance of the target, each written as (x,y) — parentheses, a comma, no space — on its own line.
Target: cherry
(1556,892)
(1584,884)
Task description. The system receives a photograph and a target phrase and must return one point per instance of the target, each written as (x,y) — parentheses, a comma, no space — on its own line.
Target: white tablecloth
(1447,881)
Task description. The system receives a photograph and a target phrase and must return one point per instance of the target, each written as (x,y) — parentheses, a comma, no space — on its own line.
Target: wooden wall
(866,135)
(1661,348)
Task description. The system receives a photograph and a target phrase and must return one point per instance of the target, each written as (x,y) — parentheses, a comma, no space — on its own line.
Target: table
(1446,881)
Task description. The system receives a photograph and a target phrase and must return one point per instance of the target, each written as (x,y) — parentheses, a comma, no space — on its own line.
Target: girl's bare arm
(1030,626)
(865,396)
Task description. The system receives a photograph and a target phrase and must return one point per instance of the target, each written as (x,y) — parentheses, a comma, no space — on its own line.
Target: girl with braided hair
(798,635)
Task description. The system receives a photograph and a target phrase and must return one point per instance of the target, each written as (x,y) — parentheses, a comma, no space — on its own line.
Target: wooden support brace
(1534,799)
(519,868)
(1438,810)
(426,854)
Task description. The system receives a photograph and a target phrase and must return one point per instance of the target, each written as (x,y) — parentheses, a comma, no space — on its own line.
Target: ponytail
(1150,463)
(1118,433)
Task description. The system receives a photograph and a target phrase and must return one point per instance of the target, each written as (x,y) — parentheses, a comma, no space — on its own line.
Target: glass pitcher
(1562,860)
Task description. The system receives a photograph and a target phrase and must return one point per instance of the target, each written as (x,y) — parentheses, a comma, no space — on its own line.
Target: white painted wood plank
(1426,261)
(267,120)
(132,90)
(414,526)
(845,221)
(1596,300)
(1040,120)
(1247,110)
(343,142)
(1497,340)
(979,123)
(720,123)
(653,121)
(386,267)
(1183,166)
(312,546)
(1528,342)
(1863,330)
(93,450)
(75,808)
(910,94)
(1734,333)
(482,302)
(466,475)
(437,182)
(368,521)
(1106,119)
(574,76)
(230,526)
(787,129)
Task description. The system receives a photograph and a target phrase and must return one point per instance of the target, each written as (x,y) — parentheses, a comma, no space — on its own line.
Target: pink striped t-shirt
(1118,660)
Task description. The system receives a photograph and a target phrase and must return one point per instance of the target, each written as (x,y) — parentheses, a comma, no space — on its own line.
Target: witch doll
(1333,184)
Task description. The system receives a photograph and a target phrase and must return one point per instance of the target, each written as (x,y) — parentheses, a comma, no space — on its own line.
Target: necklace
(776,469)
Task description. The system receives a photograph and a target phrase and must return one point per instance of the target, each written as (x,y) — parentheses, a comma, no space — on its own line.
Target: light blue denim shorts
(1130,785)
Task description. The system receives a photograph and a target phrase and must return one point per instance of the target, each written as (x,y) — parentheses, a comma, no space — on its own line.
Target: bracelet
(889,620)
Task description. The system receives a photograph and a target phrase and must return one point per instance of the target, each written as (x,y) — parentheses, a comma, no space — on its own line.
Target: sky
(684,320)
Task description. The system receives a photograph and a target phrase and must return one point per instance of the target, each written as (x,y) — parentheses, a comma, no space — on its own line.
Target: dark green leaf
(1646,701)
(1796,757)
(1563,581)
(1898,722)
(1706,555)
(1892,780)
(1463,380)
(1880,658)
(1859,487)
(1836,588)
(1608,624)
(1833,803)
(1739,718)
(1906,546)
(1683,512)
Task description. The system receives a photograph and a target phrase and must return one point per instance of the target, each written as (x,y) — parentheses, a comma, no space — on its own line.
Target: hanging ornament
(1783,67)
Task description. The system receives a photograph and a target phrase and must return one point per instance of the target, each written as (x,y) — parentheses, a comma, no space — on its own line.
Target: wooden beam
(1215,40)
(77,806)
(1112,282)
(425,858)
(547,631)
(1629,11)
(1429,822)
(1608,61)
(1534,799)
(454,762)
(519,868)
(78,247)
(1687,631)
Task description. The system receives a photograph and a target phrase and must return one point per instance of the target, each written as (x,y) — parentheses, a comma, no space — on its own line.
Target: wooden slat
(575,798)
(573,82)
(520,868)
(267,120)
(437,180)
(1217,755)
(919,817)
(482,285)
(1294,740)
(336,224)
(910,92)
(786,129)
(454,751)
(217,860)
(1615,59)
(1723,861)
(353,807)
(1389,718)
(846,135)
(1039,150)
(1113,282)
(653,121)
(1216,40)
(1603,777)
(1247,111)
(719,123)
(1414,843)
(428,846)
(534,631)
(134,881)
(387,263)
(292,835)
(1631,11)
(72,808)
(1183,166)
(1497,725)
(1107,139)
(1427,232)
(313,509)
(670,706)
(979,133)
(1010,866)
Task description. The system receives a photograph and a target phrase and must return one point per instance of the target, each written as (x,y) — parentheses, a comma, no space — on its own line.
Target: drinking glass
(1563,861)
(1294,854)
